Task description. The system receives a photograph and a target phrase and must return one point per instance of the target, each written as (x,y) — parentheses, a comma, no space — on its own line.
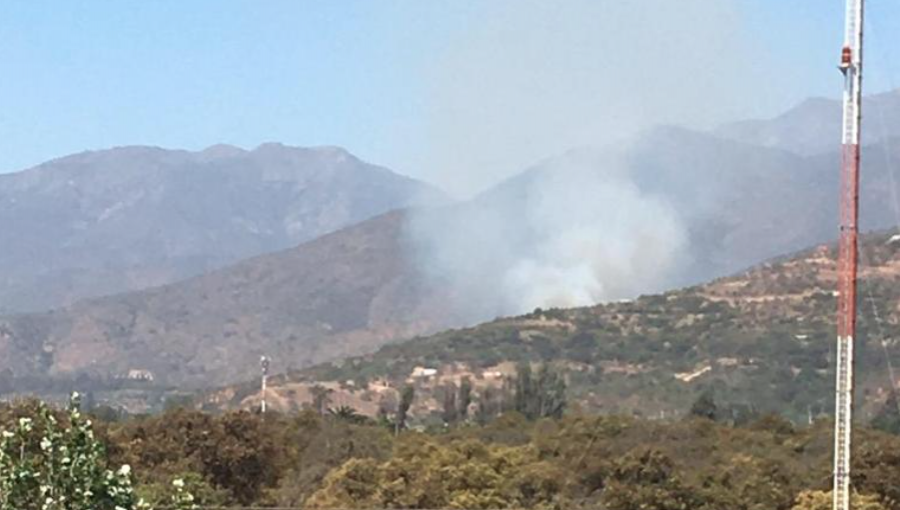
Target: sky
(460,93)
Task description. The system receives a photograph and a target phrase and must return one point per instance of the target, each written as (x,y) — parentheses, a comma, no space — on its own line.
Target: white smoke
(534,78)
(575,231)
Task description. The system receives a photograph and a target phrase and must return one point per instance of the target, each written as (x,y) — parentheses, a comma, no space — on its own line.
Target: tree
(240,452)
(406,400)
(525,397)
(321,397)
(820,500)
(347,414)
(888,417)
(56,463)
(541,395)
(451,411)
(463,474)
(551,389)
(645,479)
(465,398)
(705,406)
(488,406)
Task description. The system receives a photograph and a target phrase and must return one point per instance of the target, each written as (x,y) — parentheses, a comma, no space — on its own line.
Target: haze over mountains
(103,222)
(673,208)
(813,126)
(338,295)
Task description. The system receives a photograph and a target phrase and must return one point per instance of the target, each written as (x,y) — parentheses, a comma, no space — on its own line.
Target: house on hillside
(138,374)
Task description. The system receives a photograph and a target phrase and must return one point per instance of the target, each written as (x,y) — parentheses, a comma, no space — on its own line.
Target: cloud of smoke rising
(536,78)
(573,231)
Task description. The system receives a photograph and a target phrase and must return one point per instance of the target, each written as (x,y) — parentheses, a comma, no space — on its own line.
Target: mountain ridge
(101,222)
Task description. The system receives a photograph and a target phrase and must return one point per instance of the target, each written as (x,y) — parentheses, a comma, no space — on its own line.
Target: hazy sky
(461,92)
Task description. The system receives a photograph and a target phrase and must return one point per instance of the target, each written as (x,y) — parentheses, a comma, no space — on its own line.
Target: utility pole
(848,252)
(264,366)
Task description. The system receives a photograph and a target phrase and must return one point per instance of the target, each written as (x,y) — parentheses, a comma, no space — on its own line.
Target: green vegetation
(341,460)
(707,398)
(52,460)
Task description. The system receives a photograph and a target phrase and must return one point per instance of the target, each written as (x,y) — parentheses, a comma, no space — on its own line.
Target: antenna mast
(851,67)
(264,368)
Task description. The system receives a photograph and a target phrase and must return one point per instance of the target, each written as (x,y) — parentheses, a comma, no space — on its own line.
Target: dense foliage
(51,460)
(339,459)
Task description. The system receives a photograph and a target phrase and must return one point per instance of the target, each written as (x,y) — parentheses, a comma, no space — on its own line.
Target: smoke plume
(574,231)
(537,78)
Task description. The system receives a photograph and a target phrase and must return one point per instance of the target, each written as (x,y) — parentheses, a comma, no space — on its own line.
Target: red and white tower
(851,67)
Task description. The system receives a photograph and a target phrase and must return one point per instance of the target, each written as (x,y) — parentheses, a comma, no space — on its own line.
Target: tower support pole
(848,251)
(264,368)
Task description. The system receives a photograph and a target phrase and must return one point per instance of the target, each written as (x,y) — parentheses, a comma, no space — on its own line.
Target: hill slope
(762,339)
(129,218)
(342,294)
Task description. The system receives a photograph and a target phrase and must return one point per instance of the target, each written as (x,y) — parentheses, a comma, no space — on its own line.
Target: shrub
(53,461)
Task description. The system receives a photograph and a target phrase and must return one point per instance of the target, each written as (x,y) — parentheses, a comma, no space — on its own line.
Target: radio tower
(851,67)
(264,368)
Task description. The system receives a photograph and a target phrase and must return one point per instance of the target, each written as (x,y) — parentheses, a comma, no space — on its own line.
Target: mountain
(349,292)
(814,126)
(129,218)
(761,340)
(342,294)
(672,209)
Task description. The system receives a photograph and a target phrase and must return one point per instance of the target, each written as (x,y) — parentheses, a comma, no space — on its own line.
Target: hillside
(129,218)
(674,207)
(342,294)
(350,292)
(762,340)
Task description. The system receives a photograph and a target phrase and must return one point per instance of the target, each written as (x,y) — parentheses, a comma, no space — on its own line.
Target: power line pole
(264,366)
(848,252)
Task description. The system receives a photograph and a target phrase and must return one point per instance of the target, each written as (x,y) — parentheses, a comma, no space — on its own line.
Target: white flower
(178,482)
(45,444)
(125,470)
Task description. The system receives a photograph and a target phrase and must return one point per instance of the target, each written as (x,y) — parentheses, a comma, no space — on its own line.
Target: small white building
(138,374)
(423,372)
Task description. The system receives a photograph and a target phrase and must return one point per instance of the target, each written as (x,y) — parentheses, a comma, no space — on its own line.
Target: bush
(53,461)
(56,464)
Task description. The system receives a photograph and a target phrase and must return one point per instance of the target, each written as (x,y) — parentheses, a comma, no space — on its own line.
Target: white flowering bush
(182,499)
(48,465)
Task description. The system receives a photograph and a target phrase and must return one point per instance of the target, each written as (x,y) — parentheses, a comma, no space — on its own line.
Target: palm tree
(347,414)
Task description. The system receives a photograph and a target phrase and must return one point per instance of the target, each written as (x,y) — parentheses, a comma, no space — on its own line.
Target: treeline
(11,384)
(533,393)
(338,459)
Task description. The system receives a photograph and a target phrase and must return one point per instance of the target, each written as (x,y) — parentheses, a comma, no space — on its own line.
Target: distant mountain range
(129,218)
(814,126)
(339,295)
